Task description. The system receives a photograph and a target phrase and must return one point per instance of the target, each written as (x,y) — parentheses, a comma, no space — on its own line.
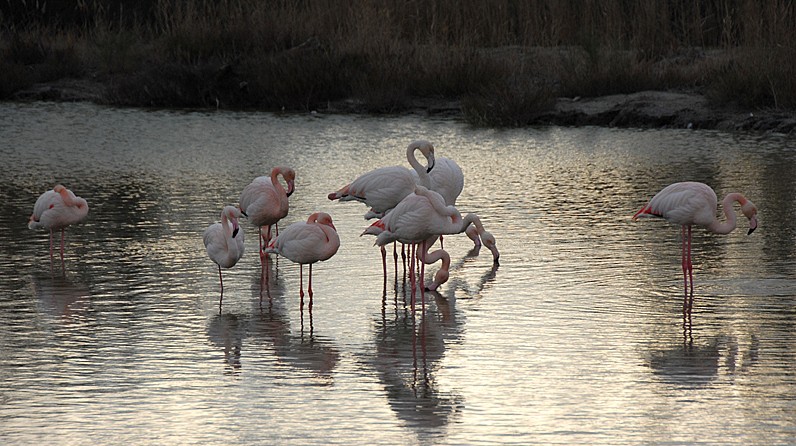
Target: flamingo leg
(51,247)
(690,273)
(403,258)
(395,261)
(221,282)
(63,235)
(301,280)
(309,288)
(260,237)
(412,283)
(384,263)
(423,273)
(301,288)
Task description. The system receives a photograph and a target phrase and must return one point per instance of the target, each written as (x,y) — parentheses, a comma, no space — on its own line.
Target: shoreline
(644,109)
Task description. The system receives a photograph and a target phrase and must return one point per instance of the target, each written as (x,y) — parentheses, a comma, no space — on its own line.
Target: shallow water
(577,337)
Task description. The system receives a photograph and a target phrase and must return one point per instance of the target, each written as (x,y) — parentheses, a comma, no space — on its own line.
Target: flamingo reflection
(226,331)
(697,365)
(270,322)
(408,354)
(60,296)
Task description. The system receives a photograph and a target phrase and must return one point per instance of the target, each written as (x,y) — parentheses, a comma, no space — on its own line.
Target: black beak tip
(234,232)
(751,230)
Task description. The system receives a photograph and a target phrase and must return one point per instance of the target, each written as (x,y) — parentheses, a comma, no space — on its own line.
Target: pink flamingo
(306,243)
(55,210)
(418,220)
(692,203)
(382,189)
(224,242)
(447,179)
(265,201)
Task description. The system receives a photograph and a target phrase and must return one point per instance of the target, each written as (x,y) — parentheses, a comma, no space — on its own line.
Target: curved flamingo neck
(69,199)
(475,220)
(425,179)
(729,212)
(275,172)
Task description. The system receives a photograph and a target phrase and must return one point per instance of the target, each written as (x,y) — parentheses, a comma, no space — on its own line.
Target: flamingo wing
(381,189)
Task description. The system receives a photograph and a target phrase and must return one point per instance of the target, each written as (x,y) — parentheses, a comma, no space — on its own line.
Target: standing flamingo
(382,189)
(224,242)
(265,201)
(419,219)
(447,179)
(692,203)
(55,210)
(306,243)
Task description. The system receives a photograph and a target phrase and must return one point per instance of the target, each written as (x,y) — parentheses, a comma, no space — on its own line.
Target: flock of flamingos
(415,207)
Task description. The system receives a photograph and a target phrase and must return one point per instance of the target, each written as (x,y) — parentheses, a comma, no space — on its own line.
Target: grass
(505,60)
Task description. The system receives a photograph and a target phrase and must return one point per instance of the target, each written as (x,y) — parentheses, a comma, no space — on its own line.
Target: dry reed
(506,60)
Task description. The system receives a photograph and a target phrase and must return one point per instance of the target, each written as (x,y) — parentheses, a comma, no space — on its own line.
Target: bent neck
(425,179)
(729,213)
(275,180)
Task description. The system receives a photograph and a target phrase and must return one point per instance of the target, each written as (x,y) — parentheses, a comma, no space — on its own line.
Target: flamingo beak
(752,224)
(291,186)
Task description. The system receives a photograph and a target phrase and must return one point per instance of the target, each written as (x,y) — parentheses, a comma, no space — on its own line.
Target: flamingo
(447,179)
(306,243)
(224,242)
(422,217)
(55,210)
(691,203)
(382,189)
(265,201)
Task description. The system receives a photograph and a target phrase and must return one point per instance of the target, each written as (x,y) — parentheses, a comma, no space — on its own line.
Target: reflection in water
(693,366)
(226,331)
(270,322)
(408,353)
(579,292)
(60,295)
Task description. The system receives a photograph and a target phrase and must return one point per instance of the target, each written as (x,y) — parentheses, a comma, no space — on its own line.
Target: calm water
(577,337)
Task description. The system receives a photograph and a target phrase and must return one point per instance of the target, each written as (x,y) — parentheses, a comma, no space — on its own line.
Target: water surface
(577,337)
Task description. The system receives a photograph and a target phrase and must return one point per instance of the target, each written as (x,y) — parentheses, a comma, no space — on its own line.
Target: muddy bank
(646,109)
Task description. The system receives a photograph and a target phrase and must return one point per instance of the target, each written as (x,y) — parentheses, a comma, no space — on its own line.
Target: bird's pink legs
(309,288)
(63,235)
(412,279)
(51,247)
(221,281)
(423,273)
(384,263)
(688,271)
(301,283)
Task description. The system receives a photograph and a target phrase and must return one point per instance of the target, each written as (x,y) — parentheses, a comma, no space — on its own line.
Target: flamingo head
(750,211)
(232,213)
(322,218)
(290,178)
(489,241)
